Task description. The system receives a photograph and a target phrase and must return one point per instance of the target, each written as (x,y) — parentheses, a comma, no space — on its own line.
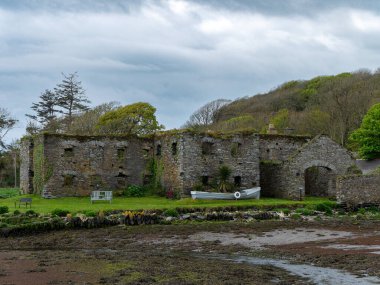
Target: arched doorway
(319,181)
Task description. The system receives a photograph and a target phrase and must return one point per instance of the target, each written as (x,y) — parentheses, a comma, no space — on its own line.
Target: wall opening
(319,181)
(207,148)
(120,153)
(174,148)
(236,149)
(237,181)
(68,180)
(158,150)
(68,152)
(205,180)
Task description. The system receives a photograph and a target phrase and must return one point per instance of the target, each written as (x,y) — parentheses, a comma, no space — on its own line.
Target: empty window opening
(120,153)
(174,148)
(158,150)
(68,180)
(207,148)
(205,180)
(237,181)
(236,149)
(68,152)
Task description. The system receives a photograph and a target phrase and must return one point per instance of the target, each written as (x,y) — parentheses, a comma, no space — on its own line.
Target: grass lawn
(74,205)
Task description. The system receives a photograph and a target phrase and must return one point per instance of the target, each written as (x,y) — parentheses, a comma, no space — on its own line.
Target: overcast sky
(178,55)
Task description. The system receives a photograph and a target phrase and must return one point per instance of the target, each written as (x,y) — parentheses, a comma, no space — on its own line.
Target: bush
(59,212)
(324,207)
(135,191)
(4,209)
(31,213)
(171,213)
(16,212)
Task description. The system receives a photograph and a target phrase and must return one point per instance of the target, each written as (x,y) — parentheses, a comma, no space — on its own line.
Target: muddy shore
(265,252)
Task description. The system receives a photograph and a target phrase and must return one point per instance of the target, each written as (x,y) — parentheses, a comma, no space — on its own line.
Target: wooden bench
(26,201)
(101,196)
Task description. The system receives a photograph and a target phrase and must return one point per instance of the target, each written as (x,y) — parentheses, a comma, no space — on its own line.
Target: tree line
(332,105)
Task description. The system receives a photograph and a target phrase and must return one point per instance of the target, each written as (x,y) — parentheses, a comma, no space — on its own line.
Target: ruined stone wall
(355,190)
(26,166)
(75,166)
(319,152)
(280,147)
(168,154)
(270,178)
(202,155)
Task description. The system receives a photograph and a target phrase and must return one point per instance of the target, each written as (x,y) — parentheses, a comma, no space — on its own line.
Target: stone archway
(319,178)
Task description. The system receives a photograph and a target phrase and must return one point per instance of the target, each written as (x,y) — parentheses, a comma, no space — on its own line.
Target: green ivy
(42,169)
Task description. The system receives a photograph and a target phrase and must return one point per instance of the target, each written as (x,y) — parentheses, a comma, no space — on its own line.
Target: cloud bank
(178,55)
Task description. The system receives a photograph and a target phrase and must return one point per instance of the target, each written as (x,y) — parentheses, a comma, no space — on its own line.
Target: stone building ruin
(56,165)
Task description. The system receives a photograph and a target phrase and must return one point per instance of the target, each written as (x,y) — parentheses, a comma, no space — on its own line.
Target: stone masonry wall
(280,147)
(319,152)
(26,166)
(79,165)
(355,190)
(202,155)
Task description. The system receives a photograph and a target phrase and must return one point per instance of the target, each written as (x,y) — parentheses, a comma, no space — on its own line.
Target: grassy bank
(74,204)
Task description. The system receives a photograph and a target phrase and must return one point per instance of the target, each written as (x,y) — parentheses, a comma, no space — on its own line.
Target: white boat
(253,193)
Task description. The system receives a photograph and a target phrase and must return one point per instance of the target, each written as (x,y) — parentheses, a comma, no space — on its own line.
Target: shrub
(171,213)
(324,207)
(31,213)
(4,209)
(59,212)
(135,191)
(16,212)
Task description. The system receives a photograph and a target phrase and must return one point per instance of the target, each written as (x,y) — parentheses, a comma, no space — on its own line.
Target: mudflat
(265,252)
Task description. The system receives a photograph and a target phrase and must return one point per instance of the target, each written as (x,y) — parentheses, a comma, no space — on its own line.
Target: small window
(68,152)
(237,181)
(207,148)
(174,148)
(205,180)
(158,150)
(120,153)
(68,180)
(236,149)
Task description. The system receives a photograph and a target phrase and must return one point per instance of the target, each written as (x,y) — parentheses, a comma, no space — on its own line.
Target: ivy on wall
(42,170)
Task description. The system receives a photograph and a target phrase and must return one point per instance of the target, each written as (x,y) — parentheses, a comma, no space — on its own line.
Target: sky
(178,55)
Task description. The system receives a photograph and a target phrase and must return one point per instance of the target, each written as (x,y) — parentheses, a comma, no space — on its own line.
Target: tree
(206,115)
(71,95)
(138,119)
(281,120)
(46,109)
(86,122)
(367,137)
(6,124)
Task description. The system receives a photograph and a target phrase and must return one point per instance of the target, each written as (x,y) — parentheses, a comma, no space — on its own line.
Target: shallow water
(317,275)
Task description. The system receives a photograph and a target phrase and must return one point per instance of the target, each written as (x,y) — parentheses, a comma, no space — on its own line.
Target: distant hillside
(334,105)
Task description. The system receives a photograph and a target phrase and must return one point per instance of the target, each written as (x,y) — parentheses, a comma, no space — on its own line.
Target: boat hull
(253,193)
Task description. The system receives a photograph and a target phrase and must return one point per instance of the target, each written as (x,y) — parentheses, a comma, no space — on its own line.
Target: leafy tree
(7,122)
(367,137)
(138,119)
(86,122)
(46,109)
(71,95)
(281,119)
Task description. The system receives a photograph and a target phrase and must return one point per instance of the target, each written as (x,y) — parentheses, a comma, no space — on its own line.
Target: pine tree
(71,95)
(46,109)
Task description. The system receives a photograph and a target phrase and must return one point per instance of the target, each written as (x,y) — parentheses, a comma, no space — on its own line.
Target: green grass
(74,204)
(9,192)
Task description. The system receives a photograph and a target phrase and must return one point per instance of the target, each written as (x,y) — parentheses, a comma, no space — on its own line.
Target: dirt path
(185,254)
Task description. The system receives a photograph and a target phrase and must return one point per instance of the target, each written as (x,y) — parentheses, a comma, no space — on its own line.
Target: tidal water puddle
(317,275)
(272,238)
